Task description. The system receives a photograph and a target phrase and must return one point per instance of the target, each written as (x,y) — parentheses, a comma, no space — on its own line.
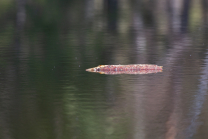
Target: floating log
(126,69)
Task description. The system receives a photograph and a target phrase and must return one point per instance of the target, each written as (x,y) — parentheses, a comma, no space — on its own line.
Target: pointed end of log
(90,70)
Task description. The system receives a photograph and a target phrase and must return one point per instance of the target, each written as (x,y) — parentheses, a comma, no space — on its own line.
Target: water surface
(45,47)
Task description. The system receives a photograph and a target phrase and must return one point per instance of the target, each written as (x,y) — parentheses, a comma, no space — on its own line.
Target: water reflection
(45,47)
(198,101)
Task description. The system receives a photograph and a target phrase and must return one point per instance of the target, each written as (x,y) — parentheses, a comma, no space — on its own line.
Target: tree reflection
(111,8)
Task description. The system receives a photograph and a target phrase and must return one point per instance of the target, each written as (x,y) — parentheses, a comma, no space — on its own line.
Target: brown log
(126,69)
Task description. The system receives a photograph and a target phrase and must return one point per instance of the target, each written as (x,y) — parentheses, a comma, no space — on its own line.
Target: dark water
(45,47)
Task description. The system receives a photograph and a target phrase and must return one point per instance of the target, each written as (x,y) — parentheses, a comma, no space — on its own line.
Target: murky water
(45,47)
